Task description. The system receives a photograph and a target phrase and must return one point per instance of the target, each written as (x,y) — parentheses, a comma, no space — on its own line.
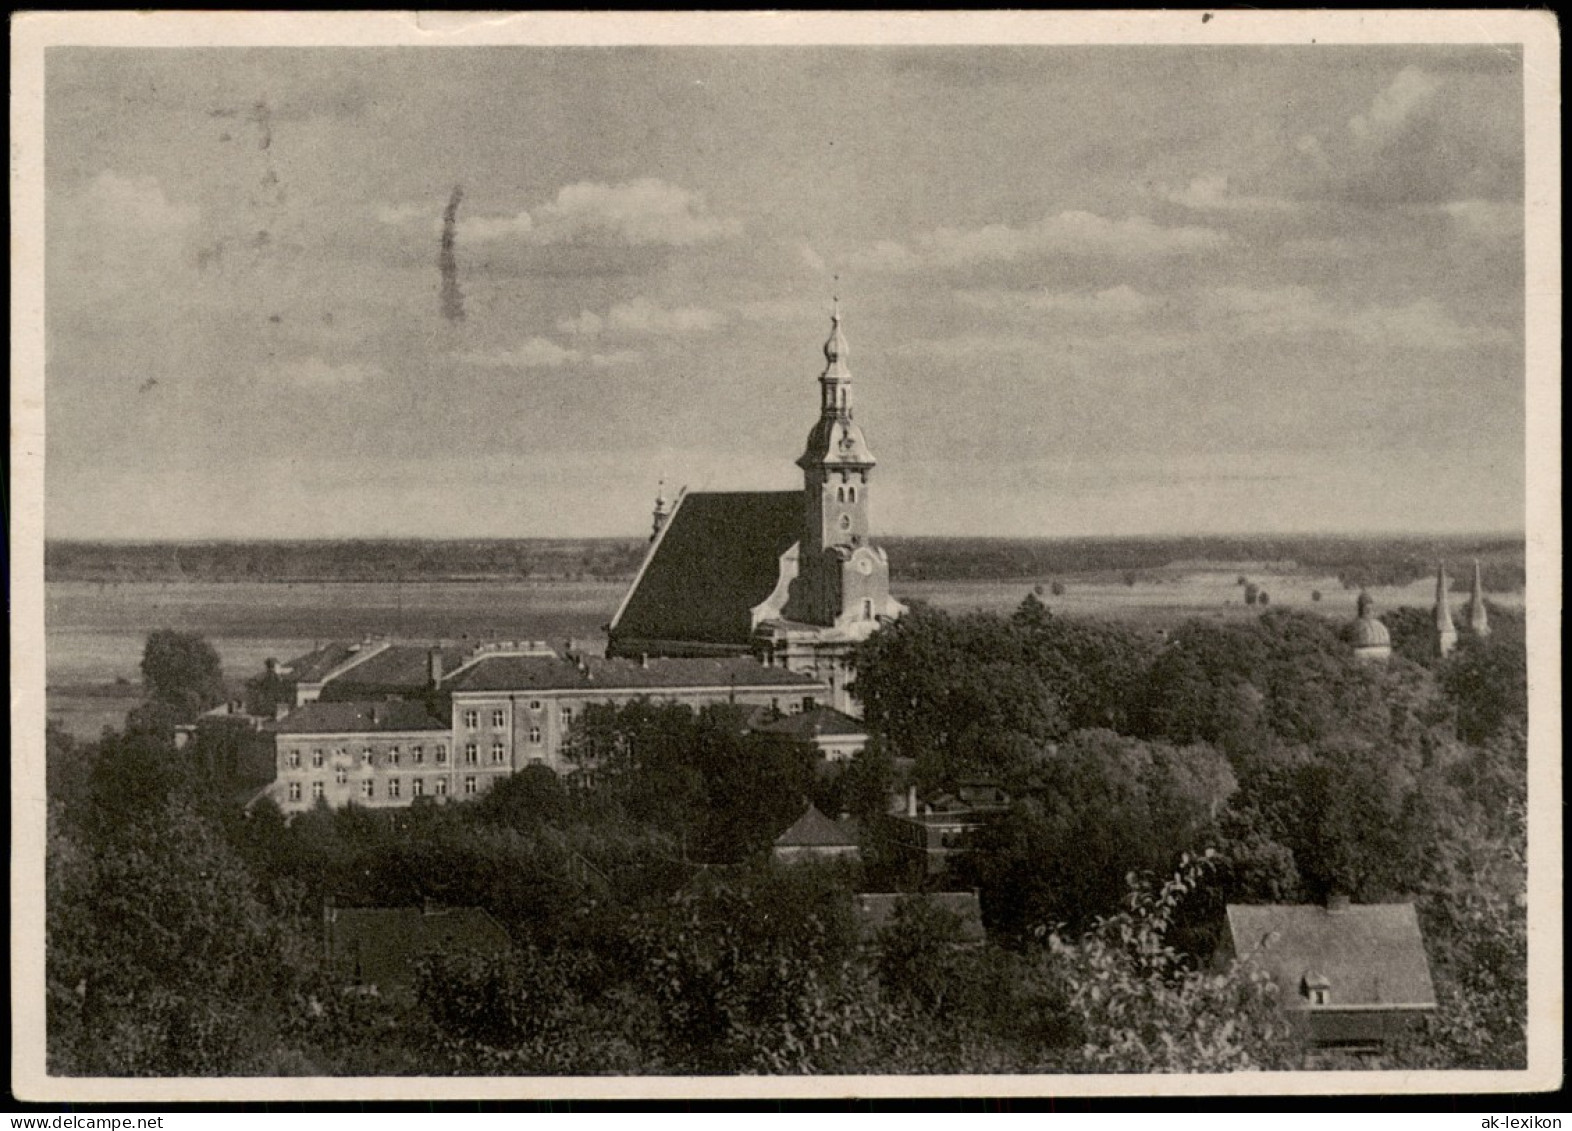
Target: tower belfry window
(851,494)
(840,494)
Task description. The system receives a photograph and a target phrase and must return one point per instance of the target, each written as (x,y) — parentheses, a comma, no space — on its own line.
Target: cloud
(1423,324)
(1212,194)
(1113,303)
(1410,90)
(122,202)
(543,353)
(641,316)
(781,310)
(644,211)
(314,373)
(1485,219)
(1068,233)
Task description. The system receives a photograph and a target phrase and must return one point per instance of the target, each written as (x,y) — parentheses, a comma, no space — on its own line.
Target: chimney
(271,665)
(434,667)
(911,801)
(644,660)
(1336,903)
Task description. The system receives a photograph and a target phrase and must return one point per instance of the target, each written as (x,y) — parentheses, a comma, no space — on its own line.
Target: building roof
(380,945)
(814,830)
(821,722)
(715,559)
(1370,954)
(359,717)
(596,673)
(311,667)
(874,910)
(398,666)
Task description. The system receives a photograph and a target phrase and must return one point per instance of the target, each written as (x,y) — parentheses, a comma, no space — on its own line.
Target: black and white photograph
(743,554)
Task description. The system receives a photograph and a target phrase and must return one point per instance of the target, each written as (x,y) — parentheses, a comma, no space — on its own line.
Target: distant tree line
(344,560)
(1356,562)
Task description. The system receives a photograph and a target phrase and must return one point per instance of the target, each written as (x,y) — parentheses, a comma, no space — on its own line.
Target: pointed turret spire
(662,509)
(1478,620)
(1446,631)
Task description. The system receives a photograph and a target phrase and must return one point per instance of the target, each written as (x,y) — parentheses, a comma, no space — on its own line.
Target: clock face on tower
(864,567)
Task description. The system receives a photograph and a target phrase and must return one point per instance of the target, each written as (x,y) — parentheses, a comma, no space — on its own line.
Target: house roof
(397,666)
(716,558)
(821,722)
(1370,954)
(360,717)
(547,673)
(380,945)
(814,830)
(874,910)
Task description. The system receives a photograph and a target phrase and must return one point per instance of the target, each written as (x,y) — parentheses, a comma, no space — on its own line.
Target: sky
(1088,290)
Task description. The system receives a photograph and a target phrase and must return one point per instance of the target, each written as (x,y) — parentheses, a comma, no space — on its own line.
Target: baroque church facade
(792,578)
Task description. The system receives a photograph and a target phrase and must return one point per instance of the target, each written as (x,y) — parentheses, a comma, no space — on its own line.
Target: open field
(95,631)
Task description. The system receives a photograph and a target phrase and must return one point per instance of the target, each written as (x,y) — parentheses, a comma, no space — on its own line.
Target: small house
(813,836)
(1353,976)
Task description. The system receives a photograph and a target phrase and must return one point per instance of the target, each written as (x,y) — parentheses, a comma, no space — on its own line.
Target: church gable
(717,558)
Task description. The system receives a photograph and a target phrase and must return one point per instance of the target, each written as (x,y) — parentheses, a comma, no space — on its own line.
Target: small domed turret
(1369,637)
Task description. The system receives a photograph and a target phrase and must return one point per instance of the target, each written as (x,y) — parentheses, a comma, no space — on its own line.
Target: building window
(499,718)
(442,787)
(472,719)
(1320,997)
(341,776)
(534,736)
(316,759)
(851,494)
(471,754)
(867,610)
(365,756)
(418,753)
(293,760)
(469,783)
(317,791)
(294,791)
(567,715)
(392,787)
(534,704)
(808,703)
(840,494)
(442,755)
(499,753)
(393,755)
(417,787)
(368,789)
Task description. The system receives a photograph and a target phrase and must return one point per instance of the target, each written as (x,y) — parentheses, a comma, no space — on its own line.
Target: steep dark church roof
(715,559)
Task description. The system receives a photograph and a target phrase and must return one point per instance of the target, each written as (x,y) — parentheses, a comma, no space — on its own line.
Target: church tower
(1446,631)
(836,462)
(842,578)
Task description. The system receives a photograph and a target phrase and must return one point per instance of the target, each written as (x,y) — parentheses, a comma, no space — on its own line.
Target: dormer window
(1316,988)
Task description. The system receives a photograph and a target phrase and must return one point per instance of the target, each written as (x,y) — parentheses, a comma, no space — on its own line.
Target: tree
(182,671)
(1142,1006)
